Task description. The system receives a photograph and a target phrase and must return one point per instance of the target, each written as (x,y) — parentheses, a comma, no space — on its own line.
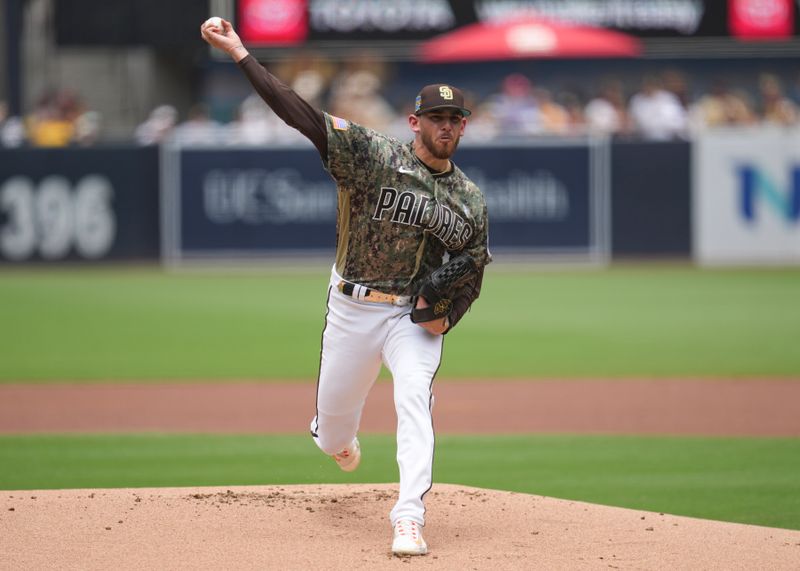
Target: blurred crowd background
(664,102)
(82,90)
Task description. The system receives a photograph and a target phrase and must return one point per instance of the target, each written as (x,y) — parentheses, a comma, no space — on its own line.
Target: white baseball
(214,22)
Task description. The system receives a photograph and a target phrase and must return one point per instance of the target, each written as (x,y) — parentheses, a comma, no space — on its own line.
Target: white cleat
(349,458)
(408,538)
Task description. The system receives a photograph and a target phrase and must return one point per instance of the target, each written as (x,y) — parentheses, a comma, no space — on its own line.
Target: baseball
(214,22)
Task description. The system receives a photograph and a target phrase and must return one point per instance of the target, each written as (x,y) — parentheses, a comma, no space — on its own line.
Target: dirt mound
(346,527)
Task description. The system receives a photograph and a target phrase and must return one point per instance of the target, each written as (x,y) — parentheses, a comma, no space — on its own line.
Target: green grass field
(109,324)
(742,480)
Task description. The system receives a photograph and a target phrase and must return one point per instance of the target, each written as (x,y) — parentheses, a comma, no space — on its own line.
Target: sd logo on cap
(440,96)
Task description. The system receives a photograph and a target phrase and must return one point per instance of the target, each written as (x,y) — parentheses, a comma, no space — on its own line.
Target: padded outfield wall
(543,200)
(727,197)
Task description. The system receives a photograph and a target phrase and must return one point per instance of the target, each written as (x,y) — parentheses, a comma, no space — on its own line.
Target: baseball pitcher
(411,248)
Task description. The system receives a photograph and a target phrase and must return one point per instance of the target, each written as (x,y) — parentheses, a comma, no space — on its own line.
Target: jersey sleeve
(352,152)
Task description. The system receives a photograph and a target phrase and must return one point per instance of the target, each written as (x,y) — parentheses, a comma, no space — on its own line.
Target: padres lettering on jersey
(409,208)
(396,219)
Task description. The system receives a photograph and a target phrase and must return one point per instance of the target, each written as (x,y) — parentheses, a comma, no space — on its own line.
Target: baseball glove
(442,286)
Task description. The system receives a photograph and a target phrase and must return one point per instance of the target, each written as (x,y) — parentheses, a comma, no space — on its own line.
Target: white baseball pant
(358,336)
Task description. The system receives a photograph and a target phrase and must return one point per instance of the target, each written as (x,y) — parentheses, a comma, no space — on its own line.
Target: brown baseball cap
(440,96)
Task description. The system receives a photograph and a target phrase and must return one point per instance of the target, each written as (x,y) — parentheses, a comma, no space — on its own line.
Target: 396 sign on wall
(73,205)
(53,217)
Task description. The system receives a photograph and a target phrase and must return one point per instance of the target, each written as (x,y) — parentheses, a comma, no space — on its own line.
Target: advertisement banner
(381,21)
(60,205)
(385,20)
(538,198)
(272,22)
(761,19)
(246,202)
(252,203)
(746,199)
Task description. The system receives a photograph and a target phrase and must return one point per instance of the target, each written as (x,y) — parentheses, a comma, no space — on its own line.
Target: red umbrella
(527,38)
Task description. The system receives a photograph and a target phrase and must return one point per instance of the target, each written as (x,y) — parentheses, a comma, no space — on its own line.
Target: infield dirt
(744,407)
(345,527)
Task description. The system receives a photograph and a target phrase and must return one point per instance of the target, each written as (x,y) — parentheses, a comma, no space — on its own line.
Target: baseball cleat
(349,458)
(408,538)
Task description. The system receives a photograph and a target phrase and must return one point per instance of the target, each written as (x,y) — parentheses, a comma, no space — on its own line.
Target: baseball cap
(440,96)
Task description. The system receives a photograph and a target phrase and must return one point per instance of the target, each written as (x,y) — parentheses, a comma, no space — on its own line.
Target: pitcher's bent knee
(332,438)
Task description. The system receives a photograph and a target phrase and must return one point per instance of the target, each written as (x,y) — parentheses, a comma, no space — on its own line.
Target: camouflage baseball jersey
(396,220)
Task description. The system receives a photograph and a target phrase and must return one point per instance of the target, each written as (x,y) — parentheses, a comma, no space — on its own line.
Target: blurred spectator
(741,108)
(554,117)
(309,74)
(12,129)
(52,122)
(656,113)
(515,109)
(776,108)
(574,108)
(676,83)
(310,85)
(399,127)
(482,125)
(254,123)
(607,112)
(721,107)
(257,124)
(199,128)
(12,132)
(158,125)
(357,96)
(88,126)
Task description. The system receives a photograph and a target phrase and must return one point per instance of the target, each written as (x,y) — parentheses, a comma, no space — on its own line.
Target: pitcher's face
(440,131)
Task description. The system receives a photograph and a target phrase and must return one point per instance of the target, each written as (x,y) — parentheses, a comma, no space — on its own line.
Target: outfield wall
(650,199)
(746,207)
(79,205)
(543,200)
(728,197)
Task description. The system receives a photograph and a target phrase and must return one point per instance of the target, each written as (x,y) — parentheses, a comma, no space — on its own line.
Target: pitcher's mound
(346,527)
